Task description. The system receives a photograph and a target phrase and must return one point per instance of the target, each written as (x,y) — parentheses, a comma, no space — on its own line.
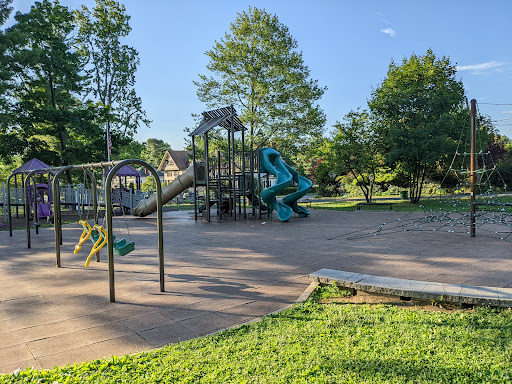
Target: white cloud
(389,31)
(479,67)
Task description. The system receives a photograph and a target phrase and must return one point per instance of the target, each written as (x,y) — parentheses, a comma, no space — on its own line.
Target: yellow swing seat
(84,236)
(100,243)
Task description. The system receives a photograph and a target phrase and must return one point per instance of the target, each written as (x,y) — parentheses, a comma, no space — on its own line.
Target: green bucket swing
(122,247)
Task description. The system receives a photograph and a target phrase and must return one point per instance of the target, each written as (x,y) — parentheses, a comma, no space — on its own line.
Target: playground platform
(218,275)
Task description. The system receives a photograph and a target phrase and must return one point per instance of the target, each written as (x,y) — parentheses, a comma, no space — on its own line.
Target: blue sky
(347,45)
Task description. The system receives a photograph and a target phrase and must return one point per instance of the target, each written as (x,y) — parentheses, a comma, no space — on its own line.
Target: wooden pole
(473,167)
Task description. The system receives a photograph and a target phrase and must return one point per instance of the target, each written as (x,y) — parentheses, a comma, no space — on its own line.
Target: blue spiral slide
(271,162)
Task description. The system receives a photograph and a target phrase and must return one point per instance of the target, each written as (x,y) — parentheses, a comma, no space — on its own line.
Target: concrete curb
(440,292)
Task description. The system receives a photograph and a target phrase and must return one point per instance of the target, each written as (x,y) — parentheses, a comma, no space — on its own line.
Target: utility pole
(473,166)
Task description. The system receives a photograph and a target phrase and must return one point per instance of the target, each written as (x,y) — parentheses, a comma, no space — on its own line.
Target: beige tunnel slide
(169,192)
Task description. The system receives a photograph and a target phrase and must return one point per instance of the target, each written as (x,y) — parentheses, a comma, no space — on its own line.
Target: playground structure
(232,180)
(73,196)
(271,163)
(101,234)
(482,210)
(36,191)
(104,233)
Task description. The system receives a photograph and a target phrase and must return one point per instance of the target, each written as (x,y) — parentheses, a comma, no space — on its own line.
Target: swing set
(98,235)
(102,235)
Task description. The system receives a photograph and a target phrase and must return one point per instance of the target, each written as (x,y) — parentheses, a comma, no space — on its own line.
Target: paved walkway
(217,276)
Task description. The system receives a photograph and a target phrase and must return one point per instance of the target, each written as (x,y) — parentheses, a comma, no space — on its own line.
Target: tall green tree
(11,142)
(154,150)
(57,126)
(419,109)
(5,74)
(111,66)
(131,150)
(355,149)
(256,67)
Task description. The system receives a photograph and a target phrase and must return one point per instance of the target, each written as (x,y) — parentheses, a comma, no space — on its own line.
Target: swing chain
(122,213)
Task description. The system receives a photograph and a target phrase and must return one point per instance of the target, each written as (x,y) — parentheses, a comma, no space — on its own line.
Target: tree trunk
(62,139)
(417,180)
(363,187)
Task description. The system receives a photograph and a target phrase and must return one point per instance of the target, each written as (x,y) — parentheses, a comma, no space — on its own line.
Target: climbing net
(449,209)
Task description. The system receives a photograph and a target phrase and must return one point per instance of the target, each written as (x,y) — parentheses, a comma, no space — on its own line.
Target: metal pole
(259,181)
(57,214)
(233,165)
(252,186)
(219,186)
(36,204)
(244,185)
(473,168)
(17,194)
(228,176)
(207,192)
(195,175)
(9,202)
(109,140)
(108,204)
(4,193)
(27,204)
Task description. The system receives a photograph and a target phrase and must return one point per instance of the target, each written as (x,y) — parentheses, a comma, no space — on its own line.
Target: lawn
(321,343)
(426,204)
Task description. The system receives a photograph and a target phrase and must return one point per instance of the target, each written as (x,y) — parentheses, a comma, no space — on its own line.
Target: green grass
(427,204)
(180,207)
(324,292)
(351,205)
(321,343)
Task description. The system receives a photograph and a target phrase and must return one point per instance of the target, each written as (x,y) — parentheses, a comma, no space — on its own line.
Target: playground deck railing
(77,195)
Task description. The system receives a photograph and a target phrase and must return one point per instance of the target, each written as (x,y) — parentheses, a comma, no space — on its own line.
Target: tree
(111,66)
(419,111)
(154,150)
(10,141)
(355,150)
(257,69)
(131,150)
(5,74)
(55,124)
(321,171)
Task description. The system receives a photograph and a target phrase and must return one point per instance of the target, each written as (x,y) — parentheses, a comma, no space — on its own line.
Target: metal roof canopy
(34,165)
(126,170)
(219,117)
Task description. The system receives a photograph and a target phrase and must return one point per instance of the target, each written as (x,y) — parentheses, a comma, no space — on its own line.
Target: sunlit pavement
(217,275)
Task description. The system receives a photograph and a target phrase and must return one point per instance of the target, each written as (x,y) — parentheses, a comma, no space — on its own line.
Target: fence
(77,196)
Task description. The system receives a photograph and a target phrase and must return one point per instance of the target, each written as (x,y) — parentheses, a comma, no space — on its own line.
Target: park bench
(306,202)
(390,205)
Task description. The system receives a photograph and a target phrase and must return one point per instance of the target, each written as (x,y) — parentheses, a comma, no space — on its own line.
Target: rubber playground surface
(217,275)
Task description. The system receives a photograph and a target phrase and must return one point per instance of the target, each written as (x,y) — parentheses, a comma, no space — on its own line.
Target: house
(174,163)
(137,178)
(144,173)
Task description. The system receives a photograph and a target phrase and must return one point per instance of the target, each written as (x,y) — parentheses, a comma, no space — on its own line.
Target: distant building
(144,173)
(141,176)
(174,163)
